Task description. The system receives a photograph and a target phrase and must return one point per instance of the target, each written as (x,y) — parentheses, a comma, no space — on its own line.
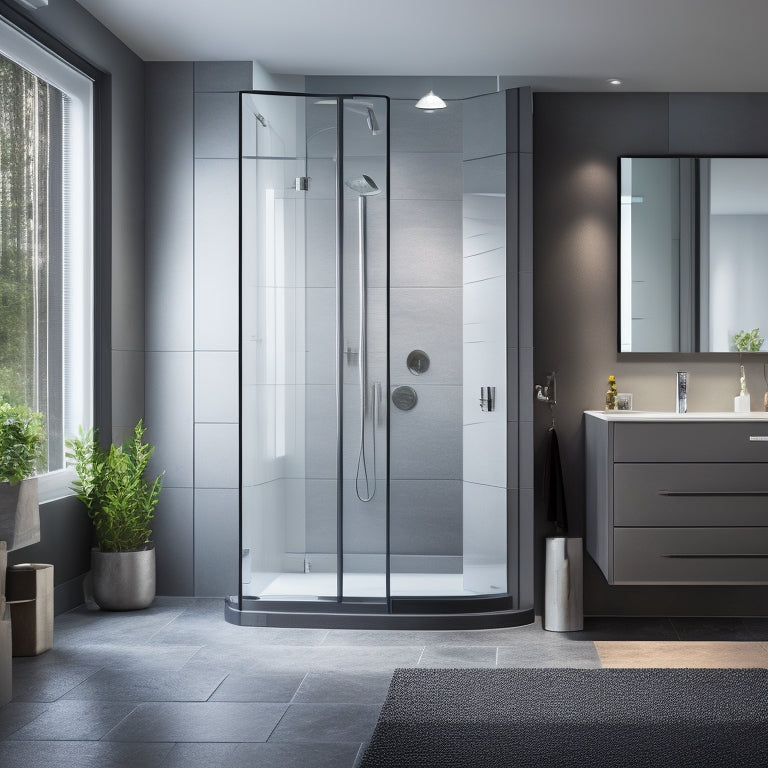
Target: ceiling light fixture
(430,102)
(614,81)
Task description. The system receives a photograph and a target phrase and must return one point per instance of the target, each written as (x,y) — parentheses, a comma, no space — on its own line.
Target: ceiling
(652,45)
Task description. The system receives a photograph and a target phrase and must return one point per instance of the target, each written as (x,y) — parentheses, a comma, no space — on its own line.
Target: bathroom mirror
(693,254)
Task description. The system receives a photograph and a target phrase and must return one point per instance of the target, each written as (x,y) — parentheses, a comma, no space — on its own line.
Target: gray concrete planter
(123,581)
(19,514)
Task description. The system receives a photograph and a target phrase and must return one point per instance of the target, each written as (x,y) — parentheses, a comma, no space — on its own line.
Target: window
(46,243)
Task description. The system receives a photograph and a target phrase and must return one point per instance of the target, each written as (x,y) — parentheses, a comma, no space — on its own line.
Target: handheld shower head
(364,185)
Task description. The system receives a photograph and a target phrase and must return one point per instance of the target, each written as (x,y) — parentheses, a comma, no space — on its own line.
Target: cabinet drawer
(690,494)
(690,556)
(694,441)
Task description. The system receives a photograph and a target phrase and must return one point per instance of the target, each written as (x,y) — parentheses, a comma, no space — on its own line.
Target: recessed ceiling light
(614,81)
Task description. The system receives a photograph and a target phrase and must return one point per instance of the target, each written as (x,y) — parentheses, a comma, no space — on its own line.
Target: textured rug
(569,718)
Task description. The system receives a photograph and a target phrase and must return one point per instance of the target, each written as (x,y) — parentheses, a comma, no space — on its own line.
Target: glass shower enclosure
(328,530)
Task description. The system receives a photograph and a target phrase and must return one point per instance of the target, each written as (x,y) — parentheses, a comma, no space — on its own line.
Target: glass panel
(365,336)
(289,418)
(449,512)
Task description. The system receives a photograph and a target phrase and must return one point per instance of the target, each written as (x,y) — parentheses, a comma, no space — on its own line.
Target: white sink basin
(671,416)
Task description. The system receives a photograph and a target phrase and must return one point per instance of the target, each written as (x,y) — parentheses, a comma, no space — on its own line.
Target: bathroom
(171,364)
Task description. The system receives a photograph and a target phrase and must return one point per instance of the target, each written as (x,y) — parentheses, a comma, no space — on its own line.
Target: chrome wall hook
(547,392)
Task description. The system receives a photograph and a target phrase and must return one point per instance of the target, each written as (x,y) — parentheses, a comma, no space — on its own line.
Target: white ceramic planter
(123,581)
(19,514)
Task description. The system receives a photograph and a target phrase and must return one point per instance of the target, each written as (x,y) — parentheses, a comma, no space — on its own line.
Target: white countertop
(672,416)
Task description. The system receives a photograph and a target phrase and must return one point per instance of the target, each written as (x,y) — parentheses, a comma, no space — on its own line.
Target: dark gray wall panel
(740,131)
(577,139)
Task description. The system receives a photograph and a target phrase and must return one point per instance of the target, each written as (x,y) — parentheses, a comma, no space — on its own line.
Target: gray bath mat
(569,718)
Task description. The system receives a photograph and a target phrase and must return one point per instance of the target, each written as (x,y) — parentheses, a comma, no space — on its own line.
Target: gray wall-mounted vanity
(678,499)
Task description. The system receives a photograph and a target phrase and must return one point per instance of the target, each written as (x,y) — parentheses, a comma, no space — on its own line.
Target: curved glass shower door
(314,334)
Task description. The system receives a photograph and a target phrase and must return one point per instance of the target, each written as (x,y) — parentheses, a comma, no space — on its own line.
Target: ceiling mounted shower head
(373,124)
(364,185)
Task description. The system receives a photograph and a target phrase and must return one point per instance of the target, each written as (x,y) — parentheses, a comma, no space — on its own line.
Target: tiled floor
(175,685)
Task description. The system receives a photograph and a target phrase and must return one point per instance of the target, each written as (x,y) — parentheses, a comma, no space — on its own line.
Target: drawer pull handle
(664,492)
(709,556)
(758,438)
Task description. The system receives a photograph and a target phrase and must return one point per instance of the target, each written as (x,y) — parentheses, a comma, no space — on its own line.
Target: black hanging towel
(554,493)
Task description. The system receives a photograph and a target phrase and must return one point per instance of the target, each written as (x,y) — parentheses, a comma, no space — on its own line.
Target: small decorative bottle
(610,395)
(741,401)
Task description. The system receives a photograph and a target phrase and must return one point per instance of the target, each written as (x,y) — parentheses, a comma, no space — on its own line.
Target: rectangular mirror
(693,254)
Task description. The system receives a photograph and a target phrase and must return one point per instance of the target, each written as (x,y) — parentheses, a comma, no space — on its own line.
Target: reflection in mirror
(693,254)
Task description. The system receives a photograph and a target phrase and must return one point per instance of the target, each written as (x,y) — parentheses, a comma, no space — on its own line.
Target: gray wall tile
(425,517)
(425,243)
(321,335)
(216,386)
(321,423)
(173,534)
(321,516)
(216,125)
(425,176)
(428,319)
(127,388)
(169,206)
(484,125)
(216,254)
(413,130)
(221,76)
(216,456)
(426,441)
(169,415)
(485,175)
(216,542)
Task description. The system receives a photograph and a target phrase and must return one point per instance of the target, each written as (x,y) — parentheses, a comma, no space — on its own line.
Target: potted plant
(21,443)
(121,502)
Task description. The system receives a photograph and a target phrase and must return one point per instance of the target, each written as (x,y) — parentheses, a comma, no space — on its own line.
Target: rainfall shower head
(373,125)
(364,185)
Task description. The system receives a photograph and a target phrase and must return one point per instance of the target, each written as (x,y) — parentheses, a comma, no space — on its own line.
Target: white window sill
(55,485)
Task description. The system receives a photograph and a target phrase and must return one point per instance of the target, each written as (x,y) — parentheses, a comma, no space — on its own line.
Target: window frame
(55,485)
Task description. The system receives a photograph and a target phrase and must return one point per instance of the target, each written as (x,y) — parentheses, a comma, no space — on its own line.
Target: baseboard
(68,595)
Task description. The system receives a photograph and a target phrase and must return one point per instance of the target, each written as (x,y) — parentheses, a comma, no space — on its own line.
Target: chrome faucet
(681,404)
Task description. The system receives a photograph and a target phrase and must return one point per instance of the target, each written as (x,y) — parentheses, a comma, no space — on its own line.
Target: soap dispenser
(741,401)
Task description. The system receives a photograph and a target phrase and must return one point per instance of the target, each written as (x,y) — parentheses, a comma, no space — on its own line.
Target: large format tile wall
(192,319)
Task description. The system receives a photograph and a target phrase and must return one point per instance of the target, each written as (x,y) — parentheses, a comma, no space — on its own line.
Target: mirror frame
(668,356)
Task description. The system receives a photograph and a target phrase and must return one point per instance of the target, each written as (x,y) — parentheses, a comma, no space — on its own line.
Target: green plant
(112,485)
(21,441)
(748,341)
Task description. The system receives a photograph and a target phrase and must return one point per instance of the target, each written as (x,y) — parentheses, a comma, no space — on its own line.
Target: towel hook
(547,393)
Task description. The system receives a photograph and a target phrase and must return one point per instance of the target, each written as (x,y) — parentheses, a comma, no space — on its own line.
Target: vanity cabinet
(677,499)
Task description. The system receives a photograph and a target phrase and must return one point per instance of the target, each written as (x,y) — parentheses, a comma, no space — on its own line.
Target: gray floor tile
(201,755)
(327,723)
(552,654)
(15,715)
(265,686)
(74,720)
(343,688)
(193,721)
(329,658)
(135,685)
(275,755)
(47,682)
(82,754)
(458,656)
(138,657)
